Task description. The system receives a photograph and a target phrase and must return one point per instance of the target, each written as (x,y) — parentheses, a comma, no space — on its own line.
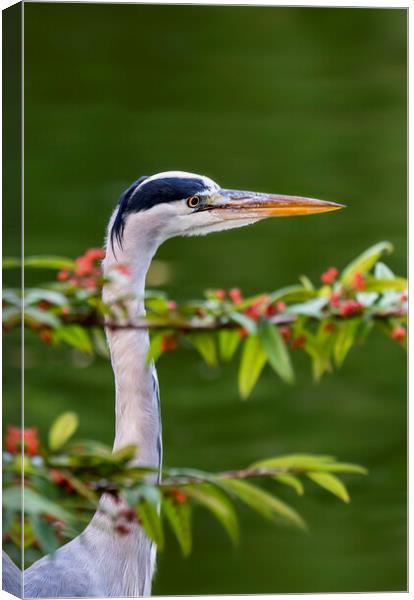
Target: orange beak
(258,205)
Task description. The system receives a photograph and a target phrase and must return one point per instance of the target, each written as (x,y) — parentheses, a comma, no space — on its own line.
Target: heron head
(176,203)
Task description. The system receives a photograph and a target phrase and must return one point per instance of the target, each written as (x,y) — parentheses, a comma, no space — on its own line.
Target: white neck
(127,562)
(136,405)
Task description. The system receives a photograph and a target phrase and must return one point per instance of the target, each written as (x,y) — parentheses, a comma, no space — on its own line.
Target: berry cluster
(16,437)
(87,272)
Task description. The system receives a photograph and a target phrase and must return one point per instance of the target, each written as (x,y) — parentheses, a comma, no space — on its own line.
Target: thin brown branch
(177,325)
(217,325)
(233,474)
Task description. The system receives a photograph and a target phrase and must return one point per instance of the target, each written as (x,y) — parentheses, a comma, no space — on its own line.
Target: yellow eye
(193,201)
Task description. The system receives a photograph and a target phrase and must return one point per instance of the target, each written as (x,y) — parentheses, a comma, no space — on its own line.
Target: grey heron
(99,562)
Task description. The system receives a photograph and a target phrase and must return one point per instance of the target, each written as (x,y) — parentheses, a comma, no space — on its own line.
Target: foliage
(324,321)
(64,479)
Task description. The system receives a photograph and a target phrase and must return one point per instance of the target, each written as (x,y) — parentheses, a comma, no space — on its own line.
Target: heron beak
(258,205)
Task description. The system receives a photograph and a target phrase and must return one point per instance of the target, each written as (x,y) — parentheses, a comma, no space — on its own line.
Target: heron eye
(193,201)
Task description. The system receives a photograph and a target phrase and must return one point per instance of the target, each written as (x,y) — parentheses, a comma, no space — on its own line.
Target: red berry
(15,437)
(335,300)
(252,312)
(168,342)
(46,336)
(179,496)
(171,305)
(95,254)
(235,295)
(350,307)
(299,342)
(255,310)
(44,304)
(57,477)
(399,333)
(271,310)
(83,266)
(219,294)
(286,333)
(89,283)
(60,480)
(63,275)
(274,309)
(359,281)
(329,276)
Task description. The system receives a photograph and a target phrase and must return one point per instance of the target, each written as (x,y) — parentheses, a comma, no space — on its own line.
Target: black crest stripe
(119,223)
(142,197)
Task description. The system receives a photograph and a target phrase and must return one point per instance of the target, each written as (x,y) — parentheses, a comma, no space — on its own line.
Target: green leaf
(248,324)
(291,481)
(155,349)
(156,304)
(124,454)
(34,295)
(343,468)
(292,461)
(80,487)
(229,341)
(39,262)
(306,282)
(331,483)
(41,316)
(264,503)
(383,272)
(34,503)
(179,517)
(45,534)
(367,299)
(74,335)
(62,429)
(11,315)
(7,519)
(364,262)
(397,284)
(143,491)
(246,302)
(9,262)
(308,462)
(13,297)
(318,350)
(100,343)
(275,348)
(292,293)
(253,360)
(206,346)
(345,336)
(151,522)
(151,493)
(80,447)
(218,503)
(311,308)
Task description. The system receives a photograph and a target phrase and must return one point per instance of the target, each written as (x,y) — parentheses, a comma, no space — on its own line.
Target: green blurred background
(292,100)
